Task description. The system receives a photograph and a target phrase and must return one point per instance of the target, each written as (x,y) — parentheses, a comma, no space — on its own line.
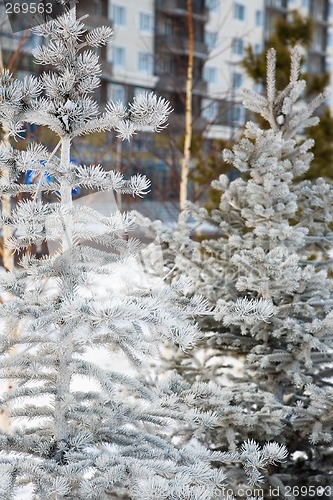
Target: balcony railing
(180,45)
(174,83)
(277,4)
(179,7)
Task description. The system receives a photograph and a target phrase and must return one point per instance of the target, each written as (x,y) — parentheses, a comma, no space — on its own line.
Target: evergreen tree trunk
(64,373)
(66,196)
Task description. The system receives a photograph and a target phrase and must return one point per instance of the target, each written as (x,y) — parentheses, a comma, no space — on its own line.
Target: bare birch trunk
(188,111)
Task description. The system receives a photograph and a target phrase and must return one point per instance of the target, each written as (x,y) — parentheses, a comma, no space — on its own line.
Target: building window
(237,80)
(212,5)
(117,93)
(143,142)
(118,15)
(239,11)
(146,23)
(328,39)
(259,17)
(305,3)
(316,65)
(166,65)
(140,90)
(258,88)
(210,74)
(21,75)
(238,46)
(318,12)
(281,4)
(145,62)
(257,49)
(118,57)
(236,115)
(139,144)
(32,41)
(305,66)
(98,7)
(209,109)
(330,9)
(319,41)
(166,26)
(211,39)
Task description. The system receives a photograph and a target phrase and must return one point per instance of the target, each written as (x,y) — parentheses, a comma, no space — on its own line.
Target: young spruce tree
(66,440)
(268,273)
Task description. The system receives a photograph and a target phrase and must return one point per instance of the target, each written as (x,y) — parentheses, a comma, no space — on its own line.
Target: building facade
(151,50)
(150,53)
(231,27)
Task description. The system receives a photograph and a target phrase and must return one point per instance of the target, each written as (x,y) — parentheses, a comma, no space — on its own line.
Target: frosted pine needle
(149,110)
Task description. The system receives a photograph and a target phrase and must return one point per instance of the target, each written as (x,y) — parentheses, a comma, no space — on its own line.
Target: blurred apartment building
(150,52)
(231,27)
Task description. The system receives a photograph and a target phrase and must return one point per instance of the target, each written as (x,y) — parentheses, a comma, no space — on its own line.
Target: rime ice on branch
(268,273)
(111,441)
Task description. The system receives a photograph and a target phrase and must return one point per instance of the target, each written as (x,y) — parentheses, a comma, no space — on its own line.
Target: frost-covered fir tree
(67,439)
(268,273)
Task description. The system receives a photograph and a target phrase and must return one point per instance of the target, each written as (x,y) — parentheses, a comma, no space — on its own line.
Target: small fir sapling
(112,441)
(268,273)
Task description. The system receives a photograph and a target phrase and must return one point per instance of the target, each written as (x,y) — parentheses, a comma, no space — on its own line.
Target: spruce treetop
(268,273)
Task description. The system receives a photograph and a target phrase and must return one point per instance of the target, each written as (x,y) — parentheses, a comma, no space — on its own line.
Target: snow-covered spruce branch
(278,108)
(113,439)
(267,270)
(250,311)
